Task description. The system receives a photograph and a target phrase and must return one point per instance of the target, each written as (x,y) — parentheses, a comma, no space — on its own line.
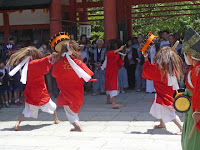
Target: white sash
(24,63)
(79,71)
(189,80)
(104,64)
(195,58)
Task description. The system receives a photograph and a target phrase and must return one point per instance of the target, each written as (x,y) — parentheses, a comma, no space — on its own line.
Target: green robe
(192,143)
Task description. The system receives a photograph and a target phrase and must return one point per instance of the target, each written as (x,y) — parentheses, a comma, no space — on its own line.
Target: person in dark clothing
(4,85)
(130,63)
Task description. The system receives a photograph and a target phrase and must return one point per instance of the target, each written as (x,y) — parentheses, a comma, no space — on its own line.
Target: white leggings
(32,111)
(71,116)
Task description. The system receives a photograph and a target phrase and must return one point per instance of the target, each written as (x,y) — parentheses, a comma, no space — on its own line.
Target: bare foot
(57,121)
(116,106)
(16,128)
(178,133)
(108,102)
(159,126)
(76,130)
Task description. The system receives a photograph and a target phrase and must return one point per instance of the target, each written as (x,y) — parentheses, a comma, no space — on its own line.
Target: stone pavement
(128,128)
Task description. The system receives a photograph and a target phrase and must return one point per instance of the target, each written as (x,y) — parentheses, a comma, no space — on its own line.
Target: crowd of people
(130,73)
(111,68)
(93,54)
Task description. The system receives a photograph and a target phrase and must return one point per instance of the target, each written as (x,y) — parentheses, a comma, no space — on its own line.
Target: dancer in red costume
(70,74)
(113,63)
(165,70)
(35,93)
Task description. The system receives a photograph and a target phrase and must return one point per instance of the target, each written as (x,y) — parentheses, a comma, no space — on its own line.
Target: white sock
(9,101)
(6,102)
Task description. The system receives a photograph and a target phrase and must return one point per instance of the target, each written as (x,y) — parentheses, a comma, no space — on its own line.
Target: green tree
(144,25)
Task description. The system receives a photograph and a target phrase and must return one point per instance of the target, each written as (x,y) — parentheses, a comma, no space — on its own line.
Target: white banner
(85,29)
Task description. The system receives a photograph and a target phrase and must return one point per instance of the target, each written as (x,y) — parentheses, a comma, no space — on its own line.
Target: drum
(182,103)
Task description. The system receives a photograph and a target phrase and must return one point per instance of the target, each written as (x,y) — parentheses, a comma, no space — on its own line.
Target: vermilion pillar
(83,15)
(129,21)
(110,19)
(121,11)
(6,26)
(72,13)
(55,17)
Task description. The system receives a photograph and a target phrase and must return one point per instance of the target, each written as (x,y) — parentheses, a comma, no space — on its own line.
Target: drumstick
(193,125)
(192,131)
(175,45)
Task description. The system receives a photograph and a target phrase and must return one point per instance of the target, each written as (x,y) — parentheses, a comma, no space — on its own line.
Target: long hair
(72,46)
(168,61)
(21,54)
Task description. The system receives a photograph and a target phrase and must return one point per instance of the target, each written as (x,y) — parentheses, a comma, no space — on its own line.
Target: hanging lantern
(45,10)
(32,11)
(20,11)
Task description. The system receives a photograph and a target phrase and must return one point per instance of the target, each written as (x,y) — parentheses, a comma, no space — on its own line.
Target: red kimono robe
(36,92)
(114,62)
(163,91)
(196,90)
(70,85)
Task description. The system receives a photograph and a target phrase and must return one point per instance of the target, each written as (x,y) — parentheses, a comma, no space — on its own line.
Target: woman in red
(114,62)
(35,93)
(70,74)
(165,70)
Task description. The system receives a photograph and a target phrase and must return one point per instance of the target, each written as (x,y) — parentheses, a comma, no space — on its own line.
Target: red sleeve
(196,94)
(84,67)
(151,72)
(40,67)
(54,72)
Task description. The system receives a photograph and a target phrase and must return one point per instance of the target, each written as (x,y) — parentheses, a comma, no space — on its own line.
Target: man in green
(191,47)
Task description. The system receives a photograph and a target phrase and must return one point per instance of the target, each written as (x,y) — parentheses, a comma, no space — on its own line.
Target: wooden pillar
(121,11)
(55,17)
(110,22)
(6,26)
(72,13)
(83,15)
(129,21)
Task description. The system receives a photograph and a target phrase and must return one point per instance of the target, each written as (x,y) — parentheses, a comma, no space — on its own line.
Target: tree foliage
(144,25)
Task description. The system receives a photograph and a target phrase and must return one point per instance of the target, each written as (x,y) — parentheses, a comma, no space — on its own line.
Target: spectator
(9,49)
(122,79)
(130,63)
(43,49)
(4,85)
(135,40)
(35,43)
(84,54)
(83,39)
(140,82)
(165,36)
(99,74)
(172,41)
(151,55)
(94,44)
(160,36)
(177,37)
